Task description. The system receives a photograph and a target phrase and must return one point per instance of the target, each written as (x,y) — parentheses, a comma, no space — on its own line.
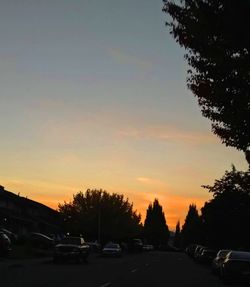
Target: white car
(218,260)
(112,249)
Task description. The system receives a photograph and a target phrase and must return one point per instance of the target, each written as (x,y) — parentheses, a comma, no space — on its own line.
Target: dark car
(148,247)
(41,241)
(198,251)
(218,260)
(5,244)
(71,248)
(12,236)
(112,249)
(135,245)
(207,256)
(190,249)
(235,266)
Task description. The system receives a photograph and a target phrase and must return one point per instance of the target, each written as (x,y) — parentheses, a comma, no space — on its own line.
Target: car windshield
(223,253)
(71,240)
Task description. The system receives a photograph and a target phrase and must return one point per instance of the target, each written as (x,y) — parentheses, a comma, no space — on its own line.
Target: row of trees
(99,215)
(215,35)
(224,220)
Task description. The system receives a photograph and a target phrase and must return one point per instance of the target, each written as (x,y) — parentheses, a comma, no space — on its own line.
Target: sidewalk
(18,262)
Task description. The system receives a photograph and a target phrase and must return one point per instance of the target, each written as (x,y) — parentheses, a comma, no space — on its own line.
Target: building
(22,215)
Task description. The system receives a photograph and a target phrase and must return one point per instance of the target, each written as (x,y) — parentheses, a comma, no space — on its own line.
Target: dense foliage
(155,227)
(227,216)
(192,228)
(96,214)
(177,236)
(216,36)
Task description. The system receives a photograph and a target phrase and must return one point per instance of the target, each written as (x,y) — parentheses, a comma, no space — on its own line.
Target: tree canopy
(97,213)
(216,36)
(192,228)
(226,217)
(155,227)
(177,235)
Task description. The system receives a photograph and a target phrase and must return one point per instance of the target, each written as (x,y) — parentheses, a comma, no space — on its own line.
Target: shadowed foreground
(146,269)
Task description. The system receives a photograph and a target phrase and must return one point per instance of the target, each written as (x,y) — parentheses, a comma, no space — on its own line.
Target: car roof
(239,255)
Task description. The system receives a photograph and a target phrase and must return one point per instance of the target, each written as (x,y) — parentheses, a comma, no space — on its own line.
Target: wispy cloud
(123,57)
(152,182)
(169,134)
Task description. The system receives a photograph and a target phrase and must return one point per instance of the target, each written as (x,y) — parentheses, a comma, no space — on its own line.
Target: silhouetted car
(169,248)
(218,260)
(207,256)
(190,249)
(5,244)
(94,246)
(112,249)
(147,247)
(235,266)
(71,248)
(135,245)
(198,251)
(41,241)
(12,236)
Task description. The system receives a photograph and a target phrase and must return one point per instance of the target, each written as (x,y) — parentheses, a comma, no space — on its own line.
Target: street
(145,269)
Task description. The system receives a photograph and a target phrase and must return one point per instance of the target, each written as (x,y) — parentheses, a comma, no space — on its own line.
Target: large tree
(97,214)
(155,227)
(226,217)
(216,36)
(192,228)
(177,235)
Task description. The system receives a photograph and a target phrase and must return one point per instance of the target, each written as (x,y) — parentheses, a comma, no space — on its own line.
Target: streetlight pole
(99,225)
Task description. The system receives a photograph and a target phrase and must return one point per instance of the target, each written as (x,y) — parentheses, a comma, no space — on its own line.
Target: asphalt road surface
(154,269)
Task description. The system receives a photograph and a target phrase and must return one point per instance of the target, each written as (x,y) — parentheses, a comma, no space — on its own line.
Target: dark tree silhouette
(215,34)
(155,227)
(177,236)
(227,216)
(96,214)
(192,228)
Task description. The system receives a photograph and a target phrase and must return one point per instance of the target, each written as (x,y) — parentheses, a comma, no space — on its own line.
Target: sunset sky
(93,95)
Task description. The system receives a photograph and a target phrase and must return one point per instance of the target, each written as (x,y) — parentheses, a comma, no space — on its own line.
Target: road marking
(106,284)
(133,271)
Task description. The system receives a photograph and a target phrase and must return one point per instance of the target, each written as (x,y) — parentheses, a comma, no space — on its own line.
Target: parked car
(41,241)
(207,256)
(190,249)
(198,251)
(112,249)
(168,247)
(147,247)
(73,248)
(235,266)
(94,246)
(218,260)
(135,245)
(5,244)
(12,236)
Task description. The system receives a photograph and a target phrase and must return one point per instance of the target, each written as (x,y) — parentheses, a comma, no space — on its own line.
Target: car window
(223,253)
(71,240)
(112,245)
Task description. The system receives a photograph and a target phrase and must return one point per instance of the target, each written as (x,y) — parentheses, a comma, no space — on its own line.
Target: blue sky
(93,95)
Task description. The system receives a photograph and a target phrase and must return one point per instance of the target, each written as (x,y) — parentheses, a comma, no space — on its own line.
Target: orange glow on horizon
(175,209)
